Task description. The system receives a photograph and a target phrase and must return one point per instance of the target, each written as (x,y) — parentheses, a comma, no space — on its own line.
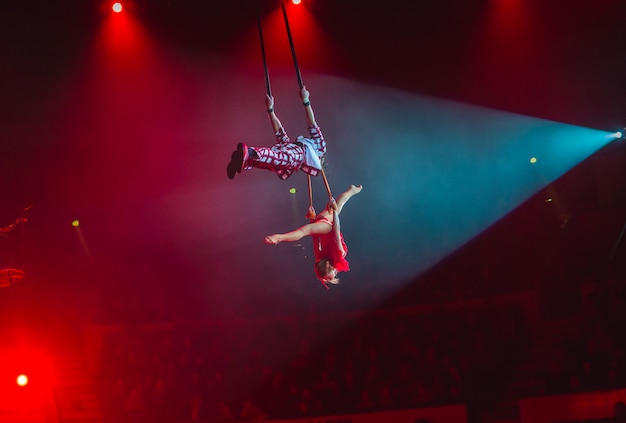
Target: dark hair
(323,267)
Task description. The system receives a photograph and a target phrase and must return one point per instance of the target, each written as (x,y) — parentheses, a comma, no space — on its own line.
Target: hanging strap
(293,49)
(301,85)
(268,87)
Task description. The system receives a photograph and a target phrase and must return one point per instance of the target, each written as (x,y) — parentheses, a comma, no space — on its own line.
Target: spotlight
(296,1)
(22,380)
(76,223)
(618,135)
(117,7)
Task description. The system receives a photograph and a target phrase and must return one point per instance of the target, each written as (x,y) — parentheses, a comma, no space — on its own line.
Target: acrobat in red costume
(328,244)
(285,158)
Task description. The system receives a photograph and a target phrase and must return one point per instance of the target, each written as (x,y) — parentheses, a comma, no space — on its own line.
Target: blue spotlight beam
(438,173)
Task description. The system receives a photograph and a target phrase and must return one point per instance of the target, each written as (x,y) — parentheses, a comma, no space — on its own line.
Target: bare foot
(355,189)
(272,239)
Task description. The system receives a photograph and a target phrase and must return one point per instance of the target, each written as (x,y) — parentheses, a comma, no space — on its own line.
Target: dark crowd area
(336,363)
(593,356)
(308,367)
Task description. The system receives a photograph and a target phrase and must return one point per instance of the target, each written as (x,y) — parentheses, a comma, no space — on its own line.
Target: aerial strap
(300,85)
(293,49)
(268,87)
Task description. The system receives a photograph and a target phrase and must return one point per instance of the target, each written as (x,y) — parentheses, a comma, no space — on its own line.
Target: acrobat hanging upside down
(328,244)
(306,154)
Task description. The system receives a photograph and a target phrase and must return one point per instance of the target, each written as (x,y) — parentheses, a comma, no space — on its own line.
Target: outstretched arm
(309,229)
(310,116)
(269,103)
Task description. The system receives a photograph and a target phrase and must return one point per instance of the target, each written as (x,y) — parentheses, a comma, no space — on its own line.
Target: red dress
(325,246)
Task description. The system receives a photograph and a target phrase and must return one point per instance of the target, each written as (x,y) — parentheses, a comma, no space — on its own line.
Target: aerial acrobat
(306,154)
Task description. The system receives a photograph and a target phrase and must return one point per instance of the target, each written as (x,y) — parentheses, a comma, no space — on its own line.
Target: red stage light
(22,380)
(117,7)
(296,1)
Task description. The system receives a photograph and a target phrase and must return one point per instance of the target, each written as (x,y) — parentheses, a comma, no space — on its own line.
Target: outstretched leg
(283,159)
(345,196)
(317,228)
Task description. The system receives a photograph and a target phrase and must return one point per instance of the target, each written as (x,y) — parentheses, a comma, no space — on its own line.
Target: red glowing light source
(22,380)
(296,1)
(117,7)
